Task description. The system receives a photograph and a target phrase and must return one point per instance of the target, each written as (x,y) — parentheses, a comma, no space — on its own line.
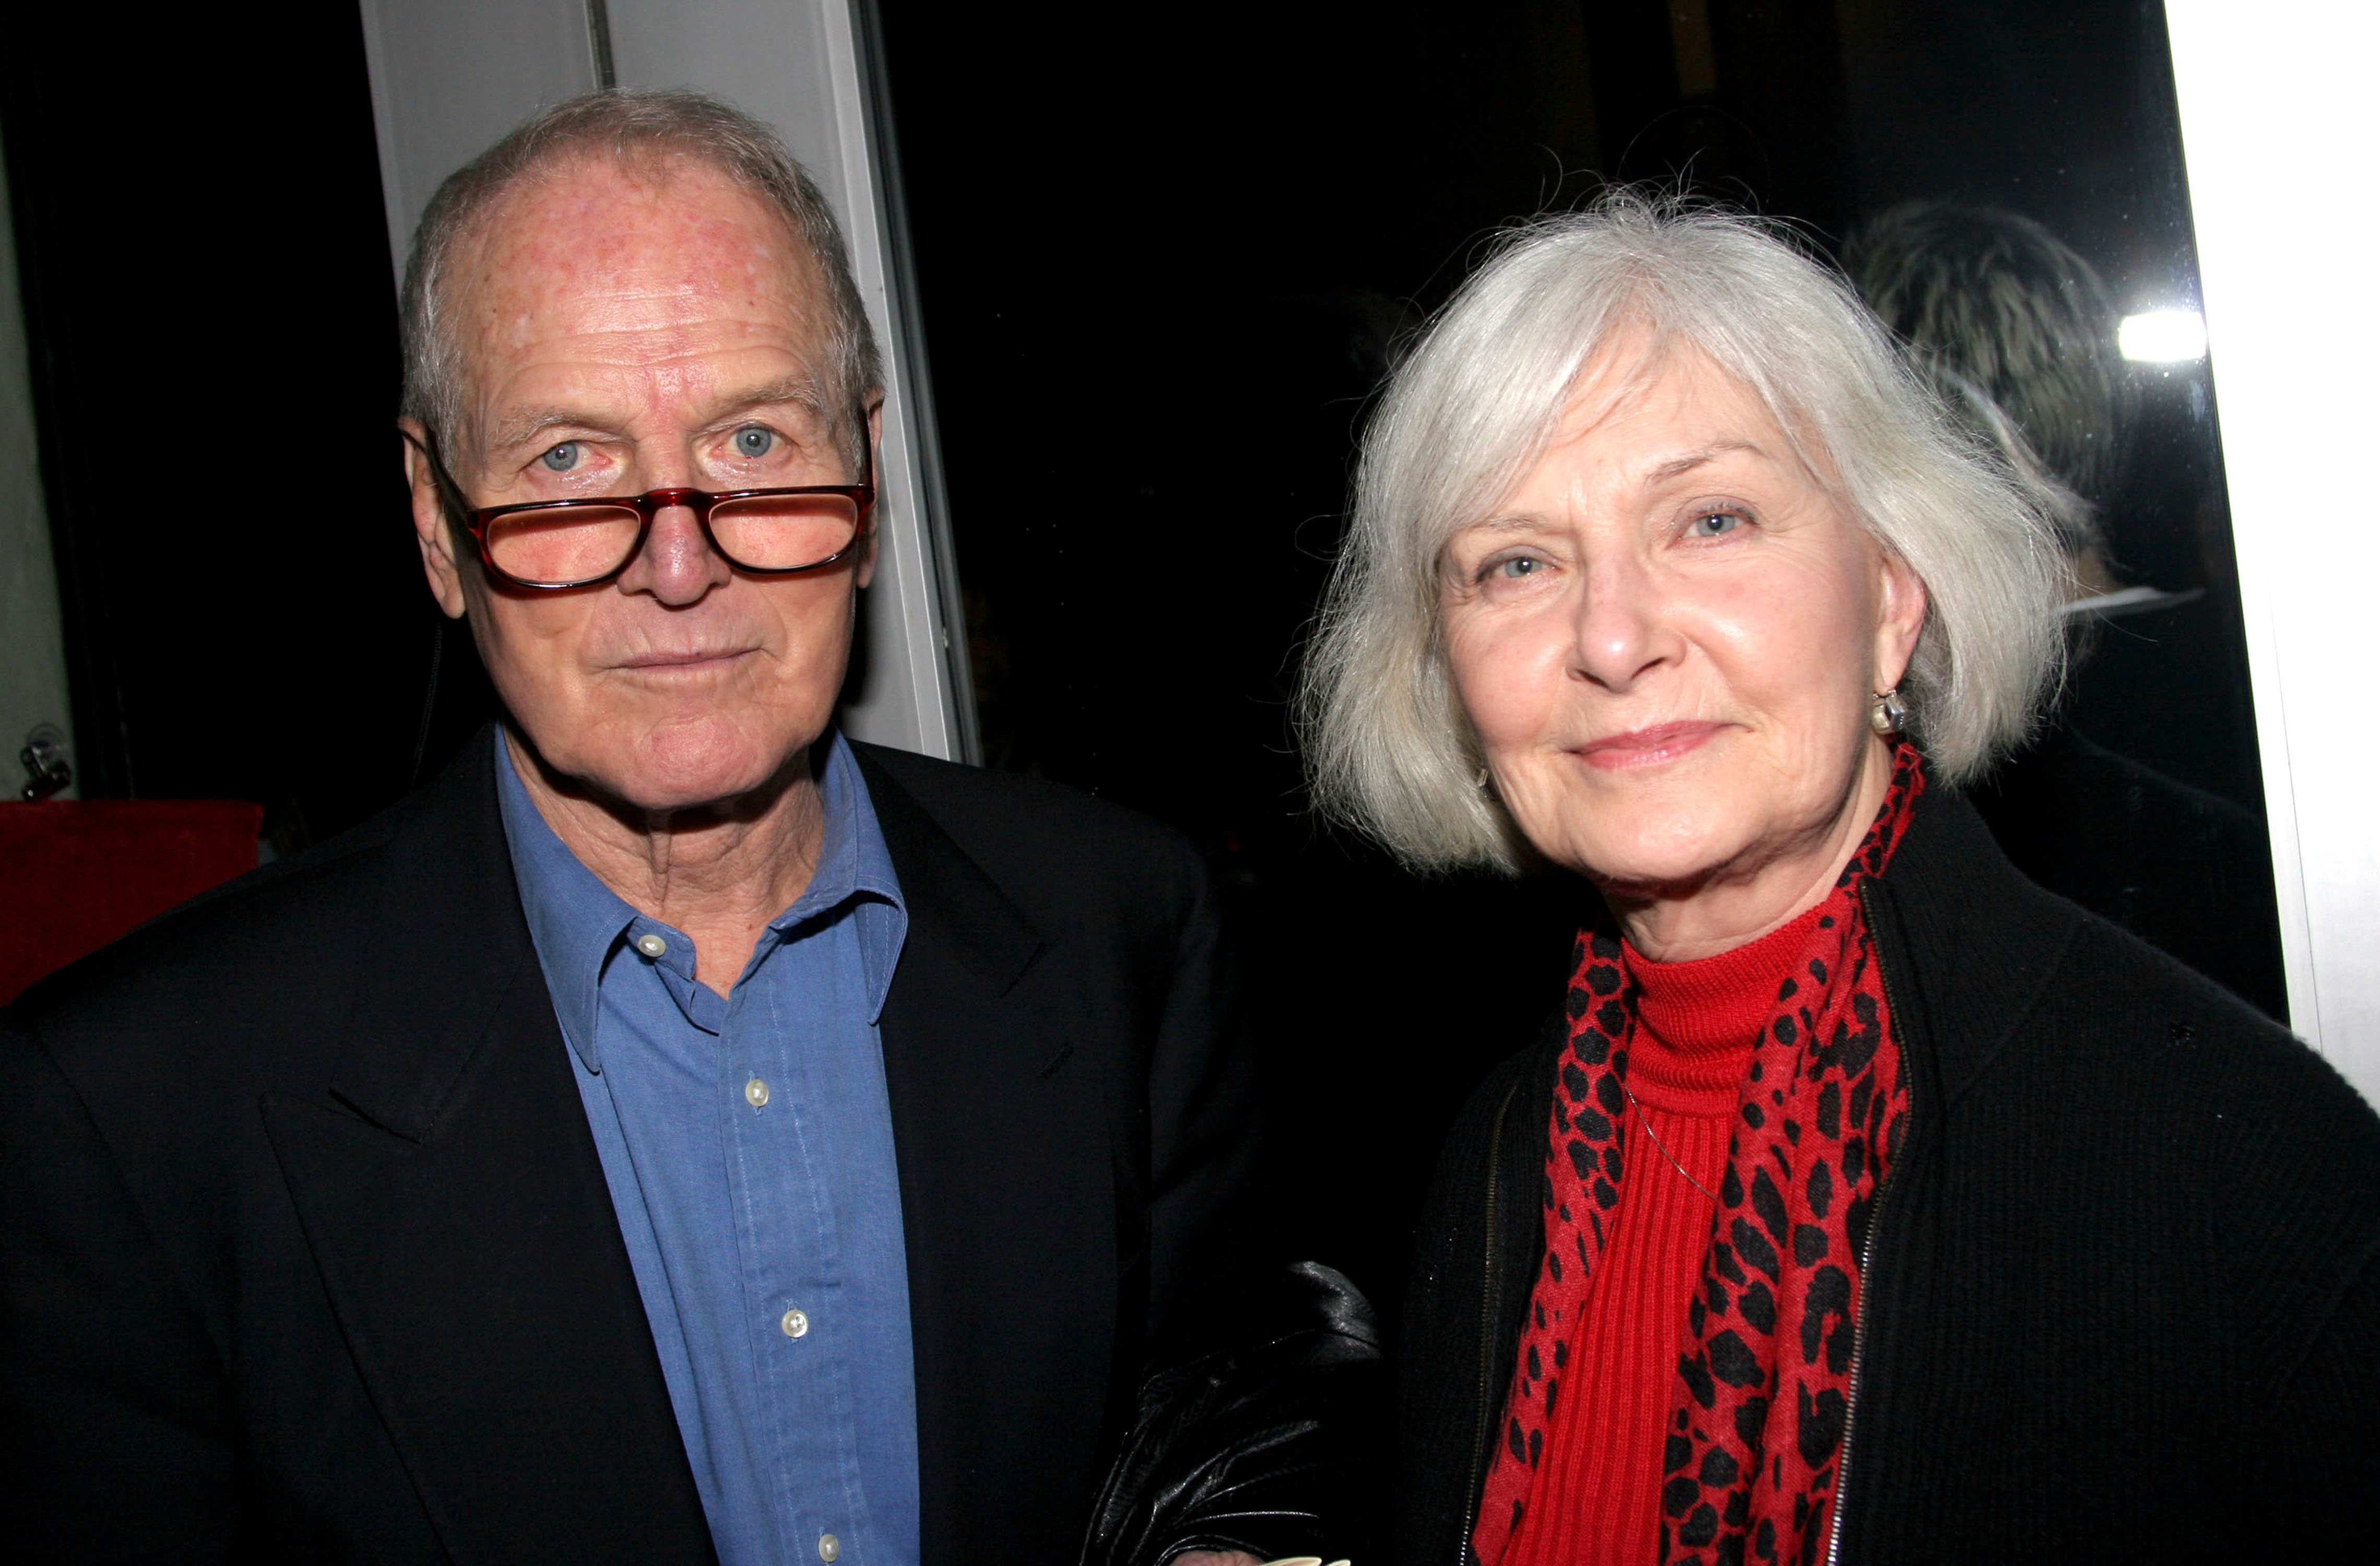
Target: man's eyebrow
(522,425)
(802,390)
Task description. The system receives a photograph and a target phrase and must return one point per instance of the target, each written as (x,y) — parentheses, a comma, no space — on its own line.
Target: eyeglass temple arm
(457,504)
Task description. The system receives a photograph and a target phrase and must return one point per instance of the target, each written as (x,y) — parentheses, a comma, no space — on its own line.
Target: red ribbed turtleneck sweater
(1596,1496)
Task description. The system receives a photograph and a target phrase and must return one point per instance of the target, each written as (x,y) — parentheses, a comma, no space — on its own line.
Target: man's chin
(668,777)
(680,766)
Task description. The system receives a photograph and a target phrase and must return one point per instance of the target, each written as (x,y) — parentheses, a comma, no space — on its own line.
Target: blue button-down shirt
(747,1143)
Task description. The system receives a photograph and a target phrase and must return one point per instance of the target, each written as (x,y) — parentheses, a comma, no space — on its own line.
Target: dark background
(212,325)
(1165,257)
(1162,270)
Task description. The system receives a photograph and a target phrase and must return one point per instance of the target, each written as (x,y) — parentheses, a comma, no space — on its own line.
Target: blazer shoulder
(1029,830)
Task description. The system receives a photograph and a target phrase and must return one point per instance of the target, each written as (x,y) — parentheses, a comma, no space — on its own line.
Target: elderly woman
(1862,1201)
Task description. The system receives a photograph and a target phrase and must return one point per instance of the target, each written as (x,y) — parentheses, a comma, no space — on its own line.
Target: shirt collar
(577,922)
(855,870)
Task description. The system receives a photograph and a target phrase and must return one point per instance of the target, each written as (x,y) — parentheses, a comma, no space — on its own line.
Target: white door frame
(2279,140)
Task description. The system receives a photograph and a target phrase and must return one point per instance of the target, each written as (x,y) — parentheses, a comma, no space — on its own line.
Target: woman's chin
(1647,865)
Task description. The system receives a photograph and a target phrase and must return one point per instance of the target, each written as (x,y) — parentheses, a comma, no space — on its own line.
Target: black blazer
(307,1253)
(2124,1298)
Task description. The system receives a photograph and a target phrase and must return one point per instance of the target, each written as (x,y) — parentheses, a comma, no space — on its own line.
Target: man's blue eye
(753,440)
(562,458)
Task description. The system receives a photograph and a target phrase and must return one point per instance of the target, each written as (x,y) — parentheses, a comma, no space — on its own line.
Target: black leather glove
(1257,1429)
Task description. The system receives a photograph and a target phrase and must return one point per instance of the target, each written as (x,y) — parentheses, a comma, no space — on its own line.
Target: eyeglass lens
(583,543)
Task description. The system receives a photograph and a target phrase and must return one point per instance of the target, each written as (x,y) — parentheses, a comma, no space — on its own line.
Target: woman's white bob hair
(1389,749)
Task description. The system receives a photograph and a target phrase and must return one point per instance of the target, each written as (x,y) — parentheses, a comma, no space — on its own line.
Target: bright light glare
(2163,336)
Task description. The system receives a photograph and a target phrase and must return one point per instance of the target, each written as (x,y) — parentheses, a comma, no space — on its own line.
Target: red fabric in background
(76,874)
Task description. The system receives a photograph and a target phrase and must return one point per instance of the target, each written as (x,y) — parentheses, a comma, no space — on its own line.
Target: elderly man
(679,1132)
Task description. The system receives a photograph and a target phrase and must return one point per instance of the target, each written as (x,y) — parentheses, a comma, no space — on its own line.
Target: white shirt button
(829,1548)
(796,1323)
(652,945)
(755,1093)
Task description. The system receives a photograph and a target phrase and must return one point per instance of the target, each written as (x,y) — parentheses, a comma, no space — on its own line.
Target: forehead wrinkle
(1616,385)
(799,389)
(520,260)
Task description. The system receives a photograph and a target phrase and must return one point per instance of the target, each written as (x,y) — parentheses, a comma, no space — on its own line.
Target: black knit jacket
(2123,1301)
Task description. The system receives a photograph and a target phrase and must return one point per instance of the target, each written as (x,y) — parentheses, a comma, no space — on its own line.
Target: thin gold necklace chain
(1647,1121)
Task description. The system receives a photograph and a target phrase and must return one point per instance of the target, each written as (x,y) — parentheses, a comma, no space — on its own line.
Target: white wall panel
(449,76)
(2279,137)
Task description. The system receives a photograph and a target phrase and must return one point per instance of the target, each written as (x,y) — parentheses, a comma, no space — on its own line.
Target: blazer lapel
(1009,1206)
(457,1208)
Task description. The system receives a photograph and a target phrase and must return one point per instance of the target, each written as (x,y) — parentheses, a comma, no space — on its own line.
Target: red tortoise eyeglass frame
(479,521)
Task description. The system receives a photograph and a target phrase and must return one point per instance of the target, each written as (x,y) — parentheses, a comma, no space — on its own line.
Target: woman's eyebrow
(1679,465)
(1508,522)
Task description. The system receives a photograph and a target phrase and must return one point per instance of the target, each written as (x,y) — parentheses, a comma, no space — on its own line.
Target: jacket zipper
(1486,1324)
(1867,1270)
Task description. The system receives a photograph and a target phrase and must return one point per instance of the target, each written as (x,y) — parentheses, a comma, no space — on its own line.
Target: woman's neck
(1725,911)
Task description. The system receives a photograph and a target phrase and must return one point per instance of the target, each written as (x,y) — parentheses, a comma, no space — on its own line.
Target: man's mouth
(694,661)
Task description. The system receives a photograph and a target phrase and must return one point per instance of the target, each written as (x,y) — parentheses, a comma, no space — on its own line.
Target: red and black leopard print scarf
(1762,1387)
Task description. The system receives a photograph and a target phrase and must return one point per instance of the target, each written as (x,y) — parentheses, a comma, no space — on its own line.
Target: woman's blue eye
(562,458)
(1519,565)
(753,440)
(1714,524)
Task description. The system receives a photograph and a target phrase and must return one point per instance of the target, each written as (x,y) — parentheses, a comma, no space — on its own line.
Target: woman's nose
(677,566)
(1622,632)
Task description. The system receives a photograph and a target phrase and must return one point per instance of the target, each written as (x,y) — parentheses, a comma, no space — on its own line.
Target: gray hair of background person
(2076,519)
(633,130)
(1387,748)
(2005,305)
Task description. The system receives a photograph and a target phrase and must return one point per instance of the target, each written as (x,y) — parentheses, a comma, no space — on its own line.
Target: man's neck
(720,873)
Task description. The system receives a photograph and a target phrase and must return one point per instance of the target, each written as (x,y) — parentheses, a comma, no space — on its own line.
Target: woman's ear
(1901,602)
(431,529)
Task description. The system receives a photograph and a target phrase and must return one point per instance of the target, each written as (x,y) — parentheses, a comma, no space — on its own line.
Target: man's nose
(1622,629)
(677,566)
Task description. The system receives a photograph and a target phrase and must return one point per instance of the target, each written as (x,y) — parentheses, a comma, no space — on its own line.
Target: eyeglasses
(547,546)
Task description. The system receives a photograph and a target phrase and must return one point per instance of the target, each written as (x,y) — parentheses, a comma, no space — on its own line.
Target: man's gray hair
(638,131)
(1388,747)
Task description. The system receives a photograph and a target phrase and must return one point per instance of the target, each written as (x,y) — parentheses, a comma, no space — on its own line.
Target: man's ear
(430,529)
(866,572)
(1900,618)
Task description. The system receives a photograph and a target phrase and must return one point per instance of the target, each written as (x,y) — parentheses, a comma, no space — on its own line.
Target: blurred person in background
(1861,1200)
(2018,334)
(679,1132)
